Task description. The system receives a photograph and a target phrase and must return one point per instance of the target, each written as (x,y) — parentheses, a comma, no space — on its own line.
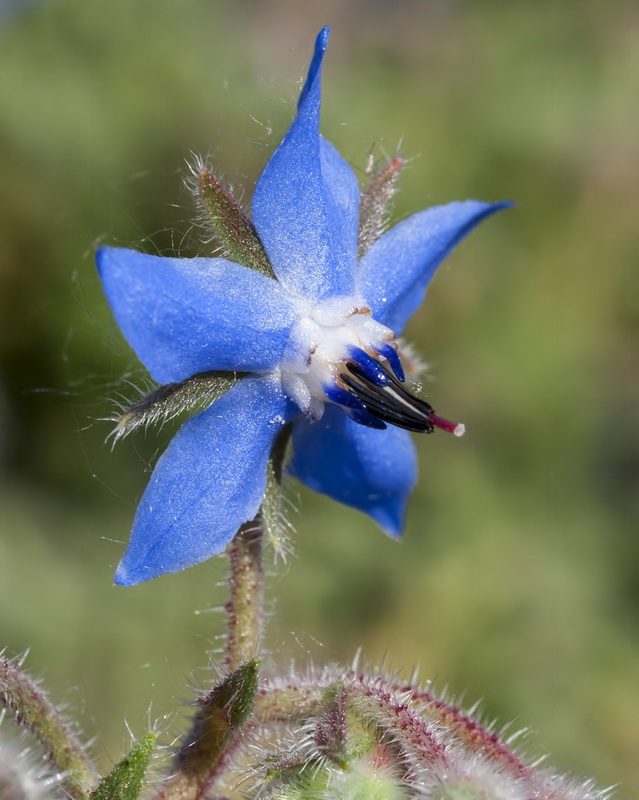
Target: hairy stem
(33,709)
(288,702)
(245,607)
(205,751)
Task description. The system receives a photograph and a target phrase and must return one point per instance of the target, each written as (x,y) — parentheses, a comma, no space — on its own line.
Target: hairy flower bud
(348,735)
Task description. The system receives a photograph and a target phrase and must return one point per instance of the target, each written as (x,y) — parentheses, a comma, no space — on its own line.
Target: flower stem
(245,607)
(33,709)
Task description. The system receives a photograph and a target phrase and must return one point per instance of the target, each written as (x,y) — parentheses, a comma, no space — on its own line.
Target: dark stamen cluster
(391,402)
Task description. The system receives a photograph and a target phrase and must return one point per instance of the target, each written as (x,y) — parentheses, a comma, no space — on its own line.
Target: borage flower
(299,336)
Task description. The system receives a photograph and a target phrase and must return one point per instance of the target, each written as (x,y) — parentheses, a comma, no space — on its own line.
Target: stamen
(390,354)
(364,418)
(413,416)
(393,403)
(369,366)
(343,397)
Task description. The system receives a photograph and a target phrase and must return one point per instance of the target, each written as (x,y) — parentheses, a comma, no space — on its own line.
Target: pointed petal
(371,470)
(306,202)
(394,273)
(209,481)
(188,315)
(342,187)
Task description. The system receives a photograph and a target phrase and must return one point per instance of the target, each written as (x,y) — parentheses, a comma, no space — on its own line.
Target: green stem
(245,607)
(205,751)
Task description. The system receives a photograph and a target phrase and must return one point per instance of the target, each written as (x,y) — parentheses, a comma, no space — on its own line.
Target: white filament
(319,344)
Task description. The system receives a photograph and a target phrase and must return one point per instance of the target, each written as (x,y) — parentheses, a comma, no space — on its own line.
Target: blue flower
(315,348)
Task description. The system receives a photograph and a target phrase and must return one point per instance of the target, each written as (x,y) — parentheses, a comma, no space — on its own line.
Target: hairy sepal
(273,516)
(234,229)
(125,780)
(374,204)
(24,772)
(216,727)
(169,401)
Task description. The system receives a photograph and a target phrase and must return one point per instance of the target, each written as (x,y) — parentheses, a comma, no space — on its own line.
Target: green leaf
(124,782)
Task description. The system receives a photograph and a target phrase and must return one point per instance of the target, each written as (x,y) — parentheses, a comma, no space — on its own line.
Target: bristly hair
(196,165)
(24,769)
(166,402)
(275,504)
(230,225)
(375,202)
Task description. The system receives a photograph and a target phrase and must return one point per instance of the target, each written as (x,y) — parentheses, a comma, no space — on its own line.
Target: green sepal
(291,778)
(460,790)
(272,511)
(172,399)
(331,729)
(273,521)
(221,715)
(374,204)
(235,230)
(317,779)
(124,782)
(233,699)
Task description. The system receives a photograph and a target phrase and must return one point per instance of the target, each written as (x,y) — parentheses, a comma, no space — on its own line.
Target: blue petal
(306,202)
(208,482)
(342,188)
(371,470)
(188,315)
(395,272)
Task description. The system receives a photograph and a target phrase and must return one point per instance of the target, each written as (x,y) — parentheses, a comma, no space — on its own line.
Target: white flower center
(321,342)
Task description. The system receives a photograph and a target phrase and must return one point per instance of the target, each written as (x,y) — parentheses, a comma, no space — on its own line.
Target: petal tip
(322,39)
(101,257)
(391,521)
(488,210)
(321,43)
(111,257)
(124,577)
(131,570)
(389,513)
(485,209)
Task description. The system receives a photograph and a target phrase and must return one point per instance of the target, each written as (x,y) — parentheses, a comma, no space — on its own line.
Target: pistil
(456,428)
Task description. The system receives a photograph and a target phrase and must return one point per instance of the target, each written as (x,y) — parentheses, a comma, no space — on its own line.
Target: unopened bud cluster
(331,735)
(346,735)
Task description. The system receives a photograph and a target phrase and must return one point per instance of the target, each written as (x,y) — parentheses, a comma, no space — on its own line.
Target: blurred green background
(517,578)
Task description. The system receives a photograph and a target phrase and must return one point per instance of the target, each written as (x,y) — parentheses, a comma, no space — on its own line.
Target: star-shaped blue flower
(316,346)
